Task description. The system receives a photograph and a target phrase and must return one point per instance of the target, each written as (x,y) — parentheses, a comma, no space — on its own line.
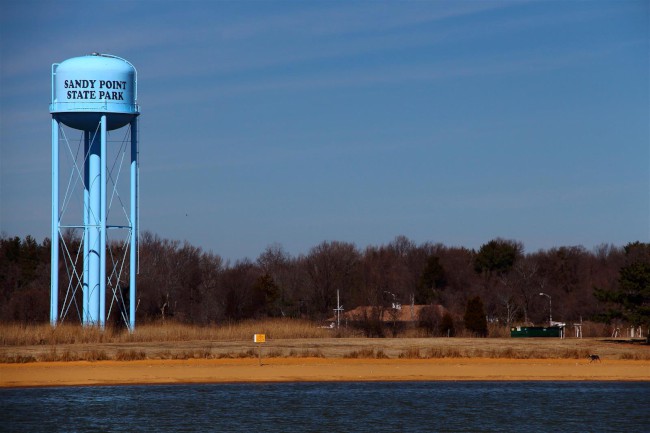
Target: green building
(536,331)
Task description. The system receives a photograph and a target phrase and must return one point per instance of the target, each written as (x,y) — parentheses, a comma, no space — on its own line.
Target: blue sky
(300,122)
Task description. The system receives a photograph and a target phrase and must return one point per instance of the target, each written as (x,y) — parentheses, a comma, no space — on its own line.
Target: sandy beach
(315,369)
(327,359)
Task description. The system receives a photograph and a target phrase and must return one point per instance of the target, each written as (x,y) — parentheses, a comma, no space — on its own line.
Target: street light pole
(550,314)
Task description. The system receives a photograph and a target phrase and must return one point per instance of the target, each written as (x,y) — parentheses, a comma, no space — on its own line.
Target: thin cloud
(228,60)
(344,19)
(510,64)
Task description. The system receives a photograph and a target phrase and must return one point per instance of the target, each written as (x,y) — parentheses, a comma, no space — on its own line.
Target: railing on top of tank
(93,106)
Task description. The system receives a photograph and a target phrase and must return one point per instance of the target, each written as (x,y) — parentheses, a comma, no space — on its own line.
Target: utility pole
(338,310)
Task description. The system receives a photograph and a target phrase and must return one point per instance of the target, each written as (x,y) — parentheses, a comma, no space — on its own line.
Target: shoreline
(276,370)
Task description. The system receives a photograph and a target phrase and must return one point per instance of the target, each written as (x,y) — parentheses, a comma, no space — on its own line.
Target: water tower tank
(87,87)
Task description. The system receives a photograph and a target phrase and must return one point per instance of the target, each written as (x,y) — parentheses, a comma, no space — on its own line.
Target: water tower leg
(85,319)
(134,222)
(93,228)
(54,258)
(102,236)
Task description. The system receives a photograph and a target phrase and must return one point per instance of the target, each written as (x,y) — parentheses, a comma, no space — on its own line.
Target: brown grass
(410,353)
(366,353)
(20,335)
(44,334)
(635,356)
(306,353)
(443,352)
(285,338)
(130,355)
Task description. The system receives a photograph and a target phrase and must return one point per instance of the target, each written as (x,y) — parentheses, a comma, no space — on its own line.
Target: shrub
(447,325)
(429,319)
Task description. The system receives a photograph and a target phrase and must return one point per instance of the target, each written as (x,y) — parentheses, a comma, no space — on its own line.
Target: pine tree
(631,299)
(432,279)
(475,320)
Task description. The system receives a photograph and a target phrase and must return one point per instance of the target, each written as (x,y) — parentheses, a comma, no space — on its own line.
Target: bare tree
(331,266)
(529,283)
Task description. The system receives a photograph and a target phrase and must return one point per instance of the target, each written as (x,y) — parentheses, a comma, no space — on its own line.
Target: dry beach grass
(21,335)
(285,338)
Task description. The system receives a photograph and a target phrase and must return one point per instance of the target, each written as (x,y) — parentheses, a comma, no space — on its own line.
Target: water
(332,407)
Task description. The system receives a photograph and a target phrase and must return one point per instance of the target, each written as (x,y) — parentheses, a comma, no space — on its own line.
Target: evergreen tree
(432,279)
(497,257)
(474,318)
(630,301)
(264,296)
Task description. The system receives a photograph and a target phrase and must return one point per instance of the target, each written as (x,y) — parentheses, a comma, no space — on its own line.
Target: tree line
(178,281)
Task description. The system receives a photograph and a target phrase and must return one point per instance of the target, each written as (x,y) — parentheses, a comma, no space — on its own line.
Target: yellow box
(259,338)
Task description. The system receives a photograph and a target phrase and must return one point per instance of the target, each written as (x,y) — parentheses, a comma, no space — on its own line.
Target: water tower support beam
(85,319)
(54,258)
(93,259)
(134,222)
(102,228)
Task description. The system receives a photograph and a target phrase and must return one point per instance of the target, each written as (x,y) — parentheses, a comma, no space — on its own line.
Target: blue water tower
(94,94)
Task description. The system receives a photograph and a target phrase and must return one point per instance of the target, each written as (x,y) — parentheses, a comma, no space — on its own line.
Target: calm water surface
(332,407)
